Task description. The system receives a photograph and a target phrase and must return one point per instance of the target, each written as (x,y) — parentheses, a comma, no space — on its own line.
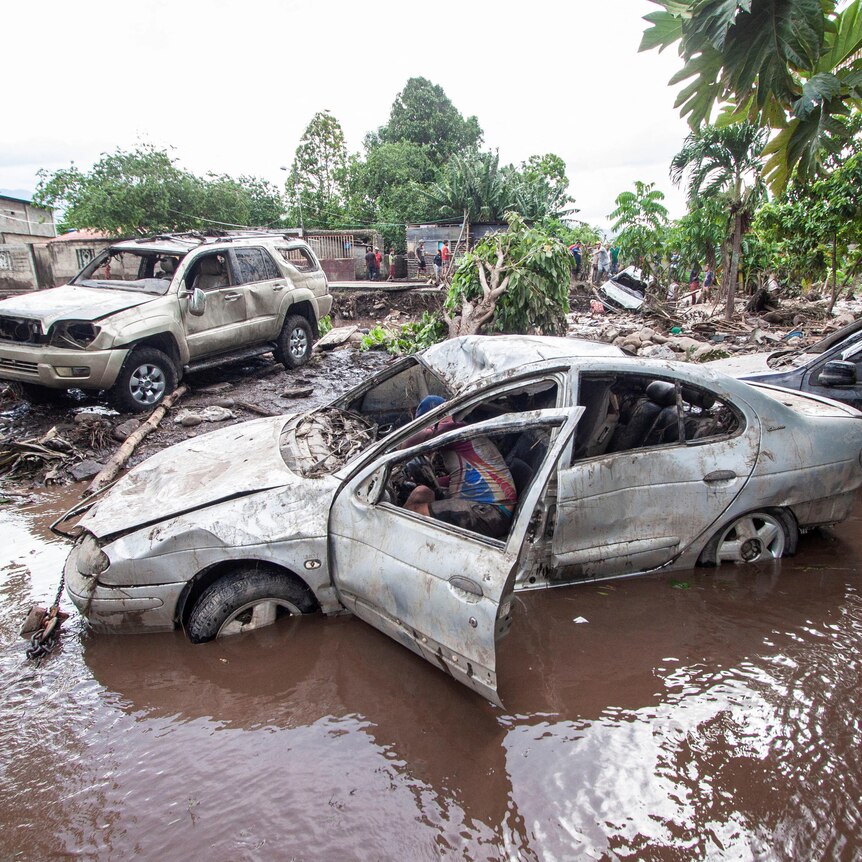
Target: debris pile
(699,333)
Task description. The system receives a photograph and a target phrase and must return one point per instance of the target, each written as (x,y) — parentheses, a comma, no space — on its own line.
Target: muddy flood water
(715,714)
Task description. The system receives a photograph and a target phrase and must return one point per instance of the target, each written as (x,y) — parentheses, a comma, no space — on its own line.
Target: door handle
(719,476)
(232,297)
(278,287)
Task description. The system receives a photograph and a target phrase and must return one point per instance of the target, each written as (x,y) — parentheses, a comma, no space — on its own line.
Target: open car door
(440,590)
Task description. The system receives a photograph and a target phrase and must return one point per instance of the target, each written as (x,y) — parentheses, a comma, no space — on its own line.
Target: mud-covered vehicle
(620,465)
(144,312)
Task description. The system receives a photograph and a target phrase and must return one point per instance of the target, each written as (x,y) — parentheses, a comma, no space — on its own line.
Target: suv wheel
(147,376)
(293,346)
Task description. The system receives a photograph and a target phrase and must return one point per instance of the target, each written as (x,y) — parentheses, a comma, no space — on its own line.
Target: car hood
(742,366)
(70,302)
(228,463)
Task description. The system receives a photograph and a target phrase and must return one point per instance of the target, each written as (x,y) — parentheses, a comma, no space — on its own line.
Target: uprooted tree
(514,281)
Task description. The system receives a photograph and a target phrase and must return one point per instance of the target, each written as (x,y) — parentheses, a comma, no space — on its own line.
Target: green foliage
(475,184)
(143,191)
(787,65)
(324,325)
(640,223)
(698,235)
(813,221)
(376,339)
(317,187)
(422,114)
(410,338)
(539,269)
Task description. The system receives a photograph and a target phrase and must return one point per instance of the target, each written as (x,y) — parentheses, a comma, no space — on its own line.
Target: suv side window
(254,264)
(299,258)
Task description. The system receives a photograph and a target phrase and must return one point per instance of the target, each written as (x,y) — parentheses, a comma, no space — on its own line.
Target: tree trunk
(473,318)
(733,268)
(834,273)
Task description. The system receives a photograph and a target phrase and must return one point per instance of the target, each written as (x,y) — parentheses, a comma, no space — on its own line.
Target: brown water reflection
(718,721)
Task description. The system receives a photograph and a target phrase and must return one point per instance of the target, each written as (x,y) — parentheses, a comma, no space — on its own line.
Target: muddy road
(712,715)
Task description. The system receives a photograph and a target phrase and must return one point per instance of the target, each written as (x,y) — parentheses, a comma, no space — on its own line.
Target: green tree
(699,234)
(789,65)
(317,185)
(423,114)
(514,281)
(143,191)
(724,164)
(473,185)
(814,224)
(540,188)
(640,223)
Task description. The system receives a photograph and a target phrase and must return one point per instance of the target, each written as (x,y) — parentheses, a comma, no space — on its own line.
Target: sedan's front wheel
(244,600)
(753,538)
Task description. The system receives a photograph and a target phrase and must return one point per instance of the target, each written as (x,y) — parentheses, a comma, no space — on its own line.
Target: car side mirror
(197,301)
(838,373)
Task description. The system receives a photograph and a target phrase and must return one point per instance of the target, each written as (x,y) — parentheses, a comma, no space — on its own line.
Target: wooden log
(254,408)
(119,458)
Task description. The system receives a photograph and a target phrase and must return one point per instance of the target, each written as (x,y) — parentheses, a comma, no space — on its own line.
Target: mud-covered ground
(247,389)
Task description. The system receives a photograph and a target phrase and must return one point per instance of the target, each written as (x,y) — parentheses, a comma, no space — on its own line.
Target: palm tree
(474,185)
(725,164)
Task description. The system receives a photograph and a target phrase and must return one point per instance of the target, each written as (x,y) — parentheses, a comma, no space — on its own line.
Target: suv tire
(243,600)
(147,376)
(293,345)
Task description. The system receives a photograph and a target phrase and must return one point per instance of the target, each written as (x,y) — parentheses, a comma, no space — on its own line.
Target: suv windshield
(143,271)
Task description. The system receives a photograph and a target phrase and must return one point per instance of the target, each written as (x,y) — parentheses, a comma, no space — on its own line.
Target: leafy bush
(538,268)
(410,338)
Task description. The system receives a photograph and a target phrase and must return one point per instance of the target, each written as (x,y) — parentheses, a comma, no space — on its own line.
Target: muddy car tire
(293,347)
(245,600)
(147,376)
(753,538)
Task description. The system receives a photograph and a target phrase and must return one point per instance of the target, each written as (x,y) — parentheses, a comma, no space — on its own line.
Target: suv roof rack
(210,236)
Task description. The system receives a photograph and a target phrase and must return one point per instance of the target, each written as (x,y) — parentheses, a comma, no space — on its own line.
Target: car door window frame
(235,256)
(617,379)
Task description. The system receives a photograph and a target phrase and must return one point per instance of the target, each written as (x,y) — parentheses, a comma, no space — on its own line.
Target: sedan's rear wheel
(753,538)
(245,600)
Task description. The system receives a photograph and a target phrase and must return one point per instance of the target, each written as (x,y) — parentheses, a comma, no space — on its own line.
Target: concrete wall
(68,257)
(17,273)
(23,219)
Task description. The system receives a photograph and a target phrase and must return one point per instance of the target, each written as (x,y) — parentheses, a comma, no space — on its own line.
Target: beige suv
(144,312)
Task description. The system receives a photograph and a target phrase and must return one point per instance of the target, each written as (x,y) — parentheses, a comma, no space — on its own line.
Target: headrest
(168,265)
(211,265)
(661,392)
(698,398)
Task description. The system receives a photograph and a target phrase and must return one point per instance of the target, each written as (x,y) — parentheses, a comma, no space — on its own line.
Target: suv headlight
(74,334)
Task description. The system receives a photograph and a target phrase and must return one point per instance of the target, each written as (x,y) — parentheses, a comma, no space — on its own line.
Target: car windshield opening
(144,271)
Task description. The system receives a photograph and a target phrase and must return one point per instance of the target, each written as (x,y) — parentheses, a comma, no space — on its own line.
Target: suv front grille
(20,329)
(18,365)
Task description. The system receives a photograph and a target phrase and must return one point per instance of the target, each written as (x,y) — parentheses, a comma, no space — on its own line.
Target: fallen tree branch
(119,458)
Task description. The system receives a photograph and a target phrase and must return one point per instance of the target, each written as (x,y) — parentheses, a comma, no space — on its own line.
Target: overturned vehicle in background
(624,291)
(622,465)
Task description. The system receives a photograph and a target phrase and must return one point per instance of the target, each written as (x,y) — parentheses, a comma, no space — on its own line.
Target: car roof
(458,361)
(183,243)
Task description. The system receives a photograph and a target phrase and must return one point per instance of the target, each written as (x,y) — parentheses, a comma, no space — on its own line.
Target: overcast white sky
(232,85)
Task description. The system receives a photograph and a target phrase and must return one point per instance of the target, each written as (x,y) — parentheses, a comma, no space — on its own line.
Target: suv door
(264,285)
(220,327)
(440,590)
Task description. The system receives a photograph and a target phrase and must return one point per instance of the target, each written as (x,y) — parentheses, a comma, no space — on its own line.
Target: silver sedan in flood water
(621,465)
